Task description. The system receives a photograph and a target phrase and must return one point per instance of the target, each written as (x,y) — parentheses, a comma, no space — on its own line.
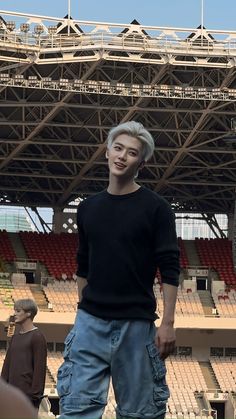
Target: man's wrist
(167,322)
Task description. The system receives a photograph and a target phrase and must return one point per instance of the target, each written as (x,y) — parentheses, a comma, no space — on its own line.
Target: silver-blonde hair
(28,305)
(136,130)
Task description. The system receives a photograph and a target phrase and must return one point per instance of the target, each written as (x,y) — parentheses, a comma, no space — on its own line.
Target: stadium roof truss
(65,83)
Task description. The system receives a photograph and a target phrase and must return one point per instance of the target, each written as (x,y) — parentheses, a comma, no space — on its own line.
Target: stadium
(64,83)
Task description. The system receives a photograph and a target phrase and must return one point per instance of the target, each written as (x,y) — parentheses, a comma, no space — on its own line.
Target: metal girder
(46,40)
(53,136)
(115,89)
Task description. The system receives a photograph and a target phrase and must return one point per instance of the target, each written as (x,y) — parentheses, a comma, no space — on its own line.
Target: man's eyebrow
(122,145)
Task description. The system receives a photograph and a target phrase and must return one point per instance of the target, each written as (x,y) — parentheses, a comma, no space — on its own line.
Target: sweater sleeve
(166,245)
(82,254)
(6,364)
(39,348)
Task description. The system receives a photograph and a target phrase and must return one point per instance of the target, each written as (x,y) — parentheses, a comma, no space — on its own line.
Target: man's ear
(141,166)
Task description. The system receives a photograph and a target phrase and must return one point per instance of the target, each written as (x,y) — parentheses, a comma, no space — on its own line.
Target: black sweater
(122,241)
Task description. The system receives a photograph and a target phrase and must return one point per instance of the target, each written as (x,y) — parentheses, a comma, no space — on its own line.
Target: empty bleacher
(184,378)
(62,295)
(209,375)
(13,289)
(183,254)
(187,304)
(54,361)
(217,254)
(6,287)
(56,251)
(225,302)
(7,253)
(185,374)
(20,288)
(225,372)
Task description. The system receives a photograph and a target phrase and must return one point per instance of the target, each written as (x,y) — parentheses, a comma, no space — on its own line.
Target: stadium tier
(225,372)
(183,255)
(57,252)
(186,380)
(7,253)
(62,296)
(217,253)
(56,256)
(201,371)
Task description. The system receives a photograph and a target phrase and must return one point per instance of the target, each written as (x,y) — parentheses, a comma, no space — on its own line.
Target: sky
(217,14)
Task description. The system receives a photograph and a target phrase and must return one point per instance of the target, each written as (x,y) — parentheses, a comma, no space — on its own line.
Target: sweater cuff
(173,281)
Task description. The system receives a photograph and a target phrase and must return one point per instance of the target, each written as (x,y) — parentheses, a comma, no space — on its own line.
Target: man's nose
(123,155)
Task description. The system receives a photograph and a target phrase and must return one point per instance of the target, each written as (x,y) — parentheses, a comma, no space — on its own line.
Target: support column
(230,226)
(57,220)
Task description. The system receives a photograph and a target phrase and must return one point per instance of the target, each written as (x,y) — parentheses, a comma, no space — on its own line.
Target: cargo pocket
(68,343)
(64,378)
(160,390)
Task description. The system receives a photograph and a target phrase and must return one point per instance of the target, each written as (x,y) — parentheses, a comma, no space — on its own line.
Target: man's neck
(121,188)
(27,326)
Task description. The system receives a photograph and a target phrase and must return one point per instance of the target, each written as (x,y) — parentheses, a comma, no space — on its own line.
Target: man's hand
(165,340)
(165,337)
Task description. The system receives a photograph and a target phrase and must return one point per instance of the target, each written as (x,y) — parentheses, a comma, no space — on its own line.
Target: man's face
(21,316)
(125,156)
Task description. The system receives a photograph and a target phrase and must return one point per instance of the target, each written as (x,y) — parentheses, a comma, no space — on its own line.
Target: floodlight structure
(10,25)
(4,78)
(52,30)
(38,29)
(64,83)
(24,27)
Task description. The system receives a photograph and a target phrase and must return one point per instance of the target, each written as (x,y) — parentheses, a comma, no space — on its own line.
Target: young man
(125,233)
(25,363)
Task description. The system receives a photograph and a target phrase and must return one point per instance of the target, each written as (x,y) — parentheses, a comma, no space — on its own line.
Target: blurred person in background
(25,363)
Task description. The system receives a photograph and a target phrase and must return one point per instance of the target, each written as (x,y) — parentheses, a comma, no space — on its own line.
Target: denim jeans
(124,350)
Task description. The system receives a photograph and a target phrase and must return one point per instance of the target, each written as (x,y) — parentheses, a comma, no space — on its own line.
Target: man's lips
(120,165)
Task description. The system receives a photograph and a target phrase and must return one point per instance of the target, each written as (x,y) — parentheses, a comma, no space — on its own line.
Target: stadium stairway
(191,251)
(17,246)
(202,403)
(2,266)
(207,302)
(20,252)
(233,395)
(209,376)
(43,269)
(40,297)
(49,382)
